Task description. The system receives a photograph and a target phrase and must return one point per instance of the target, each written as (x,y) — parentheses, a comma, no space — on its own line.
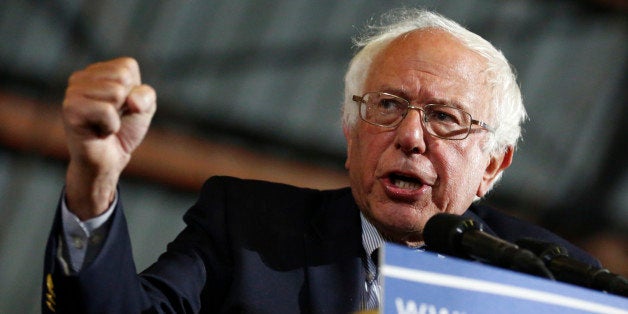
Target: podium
(416,282)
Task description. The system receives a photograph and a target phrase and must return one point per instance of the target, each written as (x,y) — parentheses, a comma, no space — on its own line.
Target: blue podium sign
(416,282)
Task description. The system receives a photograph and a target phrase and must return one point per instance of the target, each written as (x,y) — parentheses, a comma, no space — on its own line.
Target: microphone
(457,236)
(568,269)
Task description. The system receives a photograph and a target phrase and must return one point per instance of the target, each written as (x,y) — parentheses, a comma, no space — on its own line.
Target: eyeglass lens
(440,120)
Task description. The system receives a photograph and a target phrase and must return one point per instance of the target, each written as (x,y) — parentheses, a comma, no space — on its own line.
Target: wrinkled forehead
(431,64)
(434,51)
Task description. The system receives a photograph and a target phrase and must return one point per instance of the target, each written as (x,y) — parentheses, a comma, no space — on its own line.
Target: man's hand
(106,114)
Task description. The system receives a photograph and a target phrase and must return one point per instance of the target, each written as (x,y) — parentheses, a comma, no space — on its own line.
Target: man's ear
(496,165)
(346,130)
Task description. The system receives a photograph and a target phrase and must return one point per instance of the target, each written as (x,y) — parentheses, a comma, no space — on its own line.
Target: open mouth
(405,182)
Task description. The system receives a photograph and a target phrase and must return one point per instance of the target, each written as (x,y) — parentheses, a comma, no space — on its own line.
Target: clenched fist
(106,113)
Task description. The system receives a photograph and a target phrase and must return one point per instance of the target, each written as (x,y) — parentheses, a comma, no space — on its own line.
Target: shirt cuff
(81,235)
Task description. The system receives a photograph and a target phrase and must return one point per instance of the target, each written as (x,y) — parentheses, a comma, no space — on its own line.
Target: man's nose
(410,134)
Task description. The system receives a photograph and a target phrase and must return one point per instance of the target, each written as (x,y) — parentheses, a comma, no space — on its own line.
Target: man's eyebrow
(403,93)
(427,94)
(432,98)
(399,92)
(448,102)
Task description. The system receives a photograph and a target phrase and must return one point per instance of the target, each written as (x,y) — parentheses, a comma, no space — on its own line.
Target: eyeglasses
(443,121)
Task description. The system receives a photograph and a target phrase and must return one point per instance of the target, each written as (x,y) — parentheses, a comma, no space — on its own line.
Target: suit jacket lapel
(471,215)
(333,252)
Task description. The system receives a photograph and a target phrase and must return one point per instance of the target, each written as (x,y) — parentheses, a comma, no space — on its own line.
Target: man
(432,115)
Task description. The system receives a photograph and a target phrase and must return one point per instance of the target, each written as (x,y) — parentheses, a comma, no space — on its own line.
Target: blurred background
(253,89)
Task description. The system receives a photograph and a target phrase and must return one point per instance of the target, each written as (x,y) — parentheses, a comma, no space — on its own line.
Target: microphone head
(443,233)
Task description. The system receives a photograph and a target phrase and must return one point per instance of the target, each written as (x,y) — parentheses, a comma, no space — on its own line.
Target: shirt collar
(371,238)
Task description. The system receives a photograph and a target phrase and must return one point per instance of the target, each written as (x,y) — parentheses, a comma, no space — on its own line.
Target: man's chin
(401,222)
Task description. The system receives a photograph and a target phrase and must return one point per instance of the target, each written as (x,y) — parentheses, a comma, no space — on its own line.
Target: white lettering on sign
(410,307)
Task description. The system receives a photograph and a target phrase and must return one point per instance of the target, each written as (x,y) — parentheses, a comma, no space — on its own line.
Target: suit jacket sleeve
(226,235)
(247,246)
(110,284)
(107,284)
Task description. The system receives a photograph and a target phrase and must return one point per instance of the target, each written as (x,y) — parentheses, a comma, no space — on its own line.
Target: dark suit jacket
(248,246)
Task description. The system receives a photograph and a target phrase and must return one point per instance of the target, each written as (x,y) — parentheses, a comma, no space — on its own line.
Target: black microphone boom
(568,269)
(457,236)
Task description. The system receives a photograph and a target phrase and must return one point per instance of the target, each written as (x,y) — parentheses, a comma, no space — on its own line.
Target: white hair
(506,101)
